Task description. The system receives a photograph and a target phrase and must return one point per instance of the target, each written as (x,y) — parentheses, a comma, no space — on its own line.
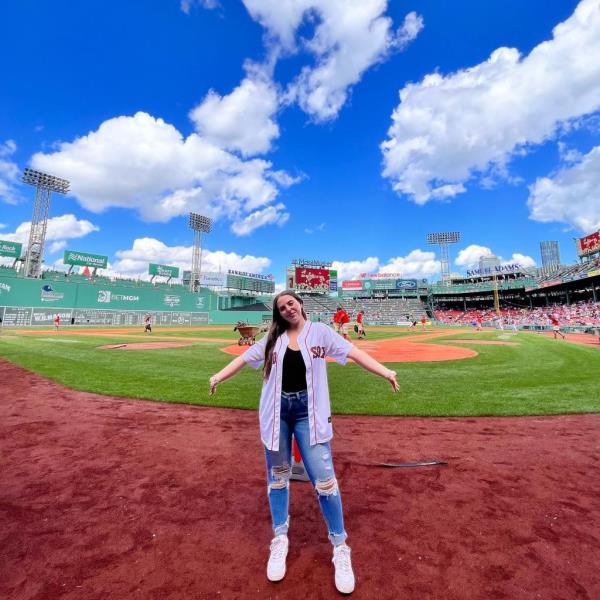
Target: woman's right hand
(391,377)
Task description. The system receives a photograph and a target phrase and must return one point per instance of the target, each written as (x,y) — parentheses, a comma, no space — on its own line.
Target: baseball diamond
(300,300)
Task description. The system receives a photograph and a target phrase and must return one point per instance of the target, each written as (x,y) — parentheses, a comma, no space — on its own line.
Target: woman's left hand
(213,382)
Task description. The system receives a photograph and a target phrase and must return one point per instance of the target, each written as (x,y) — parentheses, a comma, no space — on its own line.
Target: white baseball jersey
(317,342)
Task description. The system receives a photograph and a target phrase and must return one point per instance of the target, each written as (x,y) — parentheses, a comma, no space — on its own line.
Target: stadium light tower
(45,184)
(199,225)
(444,239)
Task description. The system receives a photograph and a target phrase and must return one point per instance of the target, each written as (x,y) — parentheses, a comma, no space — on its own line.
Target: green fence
(25,302)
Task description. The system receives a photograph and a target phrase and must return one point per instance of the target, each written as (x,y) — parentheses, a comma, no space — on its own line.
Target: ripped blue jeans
(318,462)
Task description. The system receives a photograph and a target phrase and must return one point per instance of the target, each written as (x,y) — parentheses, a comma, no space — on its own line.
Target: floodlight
(200,223)
(445,237)
(45,181)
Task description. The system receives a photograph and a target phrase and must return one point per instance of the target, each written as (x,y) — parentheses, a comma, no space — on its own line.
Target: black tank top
(294,371)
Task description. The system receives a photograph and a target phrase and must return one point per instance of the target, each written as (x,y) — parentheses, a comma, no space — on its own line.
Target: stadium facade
(233,296)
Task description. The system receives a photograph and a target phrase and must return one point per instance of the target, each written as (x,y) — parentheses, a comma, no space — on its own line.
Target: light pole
(443,239)
(45,184)
(198,224)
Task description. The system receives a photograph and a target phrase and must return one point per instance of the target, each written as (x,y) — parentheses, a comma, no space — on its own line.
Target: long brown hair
(278,326)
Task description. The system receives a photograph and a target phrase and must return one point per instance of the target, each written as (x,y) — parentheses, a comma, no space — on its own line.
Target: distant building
(488,262)
(550,256)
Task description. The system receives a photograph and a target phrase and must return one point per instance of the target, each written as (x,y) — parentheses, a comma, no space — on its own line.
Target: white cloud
(280,18)
(272,215)
(469,257)
(9,173)
(311,230)
(60,228)
(417,263)
(133,262)
(568,155)
(448,128)
(349,37)
(522,259)
(57,246)
(353,268)
(145,164)
(241,121)
(570,196)
(186,5)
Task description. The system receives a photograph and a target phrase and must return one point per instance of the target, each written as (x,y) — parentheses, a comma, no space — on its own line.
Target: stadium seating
(377,311)
(577,315)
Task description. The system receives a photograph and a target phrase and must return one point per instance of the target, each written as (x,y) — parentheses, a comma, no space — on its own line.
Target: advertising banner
(268,277)
(551,283)
(12,249)
(589,244)
(83,259)
(163,270)
(45,316)
(380,275)
(312,279)
(406,284)
(379,284)
(352,285)
(213,279)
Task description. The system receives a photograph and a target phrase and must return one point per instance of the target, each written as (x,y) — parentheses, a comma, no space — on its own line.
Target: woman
(295,400)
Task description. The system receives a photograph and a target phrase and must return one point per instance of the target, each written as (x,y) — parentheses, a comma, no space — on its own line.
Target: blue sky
(334,129)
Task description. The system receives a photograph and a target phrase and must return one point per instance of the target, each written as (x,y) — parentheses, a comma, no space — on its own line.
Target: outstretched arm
(234,367)
(361,358)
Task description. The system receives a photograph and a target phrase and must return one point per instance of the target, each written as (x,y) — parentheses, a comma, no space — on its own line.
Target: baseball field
(106,494)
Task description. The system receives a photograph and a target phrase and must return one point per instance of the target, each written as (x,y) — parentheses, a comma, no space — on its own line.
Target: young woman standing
(295,400)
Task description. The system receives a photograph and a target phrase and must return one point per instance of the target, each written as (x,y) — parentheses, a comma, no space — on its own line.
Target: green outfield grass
(538,376)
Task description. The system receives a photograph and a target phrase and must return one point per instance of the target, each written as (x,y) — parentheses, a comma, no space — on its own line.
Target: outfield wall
(26,302)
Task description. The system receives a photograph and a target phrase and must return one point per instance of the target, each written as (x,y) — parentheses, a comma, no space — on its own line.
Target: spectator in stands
(293,348)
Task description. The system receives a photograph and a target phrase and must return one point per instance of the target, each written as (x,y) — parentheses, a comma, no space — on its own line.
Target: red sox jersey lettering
(318,351)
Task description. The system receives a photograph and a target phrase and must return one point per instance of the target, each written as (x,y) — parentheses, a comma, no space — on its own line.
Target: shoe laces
(341,558)
(278,547)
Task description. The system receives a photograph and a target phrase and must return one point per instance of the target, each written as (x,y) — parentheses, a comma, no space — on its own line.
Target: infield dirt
(112,498)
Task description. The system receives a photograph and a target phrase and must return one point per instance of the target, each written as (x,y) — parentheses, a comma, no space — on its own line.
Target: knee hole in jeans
(327,487)
(281,477)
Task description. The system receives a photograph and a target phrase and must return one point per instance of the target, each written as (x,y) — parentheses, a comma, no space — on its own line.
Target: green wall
(26,302)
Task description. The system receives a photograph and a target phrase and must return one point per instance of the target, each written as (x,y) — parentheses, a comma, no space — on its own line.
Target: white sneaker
(344,576)
(276,564)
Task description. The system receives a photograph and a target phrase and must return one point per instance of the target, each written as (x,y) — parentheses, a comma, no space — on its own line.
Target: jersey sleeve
(336,346)
(255,355)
